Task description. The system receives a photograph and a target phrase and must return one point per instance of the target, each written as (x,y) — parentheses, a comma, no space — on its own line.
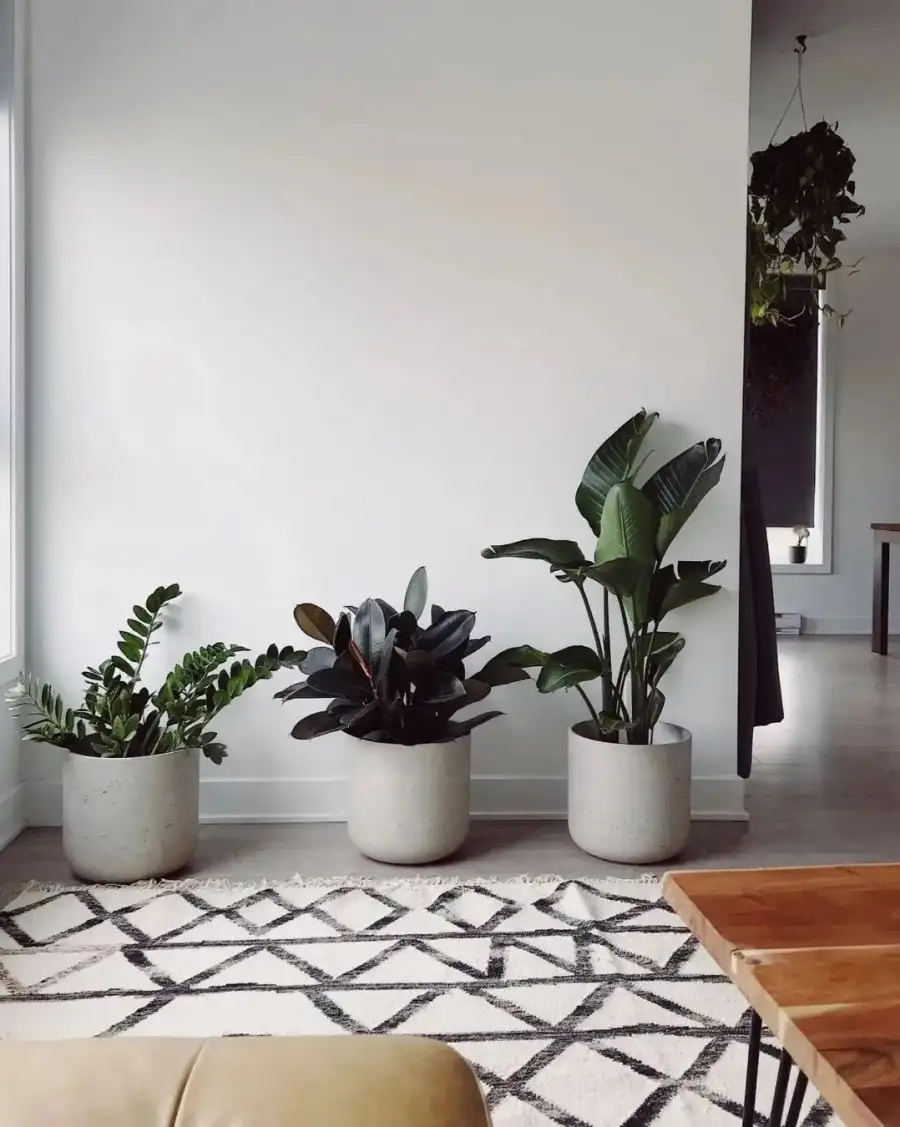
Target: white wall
(849,76)
(322,291)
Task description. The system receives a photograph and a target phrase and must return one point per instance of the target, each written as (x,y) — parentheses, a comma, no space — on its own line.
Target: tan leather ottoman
(238,1082)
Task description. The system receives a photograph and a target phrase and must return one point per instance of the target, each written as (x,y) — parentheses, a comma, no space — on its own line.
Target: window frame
(12,230)
(824,496)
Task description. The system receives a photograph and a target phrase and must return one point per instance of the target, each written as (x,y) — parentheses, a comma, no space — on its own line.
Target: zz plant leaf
(120,718)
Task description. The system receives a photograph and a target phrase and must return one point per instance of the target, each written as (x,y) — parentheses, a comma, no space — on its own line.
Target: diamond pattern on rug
(578,1003)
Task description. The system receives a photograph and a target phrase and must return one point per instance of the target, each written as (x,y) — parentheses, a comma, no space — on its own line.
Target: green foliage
(120,718)
(800,197)
(635,526)
(392,680)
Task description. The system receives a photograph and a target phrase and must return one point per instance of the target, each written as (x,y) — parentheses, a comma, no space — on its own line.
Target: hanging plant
(801,195)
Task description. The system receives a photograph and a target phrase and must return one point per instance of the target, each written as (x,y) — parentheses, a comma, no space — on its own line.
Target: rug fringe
(223,884)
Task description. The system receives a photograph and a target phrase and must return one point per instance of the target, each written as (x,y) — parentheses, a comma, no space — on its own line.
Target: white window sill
(10,668)
(801,569)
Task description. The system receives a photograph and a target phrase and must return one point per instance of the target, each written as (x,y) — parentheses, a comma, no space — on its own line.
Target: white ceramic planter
(408,805)
(629,802)
(130,819)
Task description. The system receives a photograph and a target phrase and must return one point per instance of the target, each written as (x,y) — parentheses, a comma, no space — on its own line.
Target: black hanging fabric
(759,683)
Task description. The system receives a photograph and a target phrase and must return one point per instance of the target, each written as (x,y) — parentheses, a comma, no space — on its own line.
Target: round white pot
(408,805)
(630,802)
(130,819)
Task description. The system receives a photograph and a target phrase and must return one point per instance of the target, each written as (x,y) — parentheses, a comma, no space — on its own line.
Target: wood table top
(886,527)
(816,952)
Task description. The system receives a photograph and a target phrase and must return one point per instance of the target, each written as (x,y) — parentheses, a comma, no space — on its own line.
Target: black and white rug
(579,1003)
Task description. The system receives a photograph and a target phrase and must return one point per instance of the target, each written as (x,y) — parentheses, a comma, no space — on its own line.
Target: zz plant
(121,718)
(389,678)
(635,526)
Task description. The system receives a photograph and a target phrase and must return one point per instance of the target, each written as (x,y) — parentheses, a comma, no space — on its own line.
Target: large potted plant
(629,773)
(132,766)
(395,688)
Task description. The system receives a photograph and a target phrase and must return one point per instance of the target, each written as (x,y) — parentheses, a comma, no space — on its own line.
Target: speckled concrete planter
(630,802)
(408,805)
(130,819)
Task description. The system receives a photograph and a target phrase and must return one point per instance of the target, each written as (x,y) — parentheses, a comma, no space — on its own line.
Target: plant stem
(591,710)
(609,700)
(602,645)
(636,715)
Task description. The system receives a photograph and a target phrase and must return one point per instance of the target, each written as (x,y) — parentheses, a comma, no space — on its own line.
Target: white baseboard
(815,625)
(322,800)
(12,814)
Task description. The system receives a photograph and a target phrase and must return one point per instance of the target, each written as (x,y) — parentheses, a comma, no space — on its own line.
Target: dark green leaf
(143,615)
(299,691)
(457,728)
(447,634)
(416,593)
(436,613)
(569,666)
(619,576)
(116,662)
(131,650)
(215,752)
(342,634)
(658,652)
(613,462)
(628,529)
(655,705)
(668,592)
(316,724)
(678,487)
(139,628)
(314,622)
(509,666)
(700,569)
(369,630)
(339,683)
(559,553)
(319,657)
(440,688)
(387,610)
(475,644)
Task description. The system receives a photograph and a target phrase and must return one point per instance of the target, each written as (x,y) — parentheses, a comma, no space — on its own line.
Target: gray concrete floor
(825,789)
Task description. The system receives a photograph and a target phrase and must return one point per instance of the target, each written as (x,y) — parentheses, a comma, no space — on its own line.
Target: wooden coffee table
(816,953)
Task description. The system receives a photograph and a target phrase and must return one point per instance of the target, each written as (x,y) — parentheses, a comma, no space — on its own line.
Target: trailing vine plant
(801,195)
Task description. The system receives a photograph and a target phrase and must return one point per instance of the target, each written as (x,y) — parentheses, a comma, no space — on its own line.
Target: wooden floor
(825,789)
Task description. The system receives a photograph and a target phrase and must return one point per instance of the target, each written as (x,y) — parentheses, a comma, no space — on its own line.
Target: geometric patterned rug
(580,1003)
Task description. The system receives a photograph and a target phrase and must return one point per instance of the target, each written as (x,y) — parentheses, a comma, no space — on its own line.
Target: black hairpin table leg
(793,1117)
(781,1087)
(752,1070)
(782,1083)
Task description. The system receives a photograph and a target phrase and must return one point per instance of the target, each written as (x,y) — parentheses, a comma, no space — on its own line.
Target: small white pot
(630,802)
(408,805)
(130,819)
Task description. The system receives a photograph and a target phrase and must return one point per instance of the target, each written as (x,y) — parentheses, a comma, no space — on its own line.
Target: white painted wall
(322,291)
(850,77)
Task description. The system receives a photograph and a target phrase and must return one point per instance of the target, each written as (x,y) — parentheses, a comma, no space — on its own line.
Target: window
(788,427)
(11,338)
